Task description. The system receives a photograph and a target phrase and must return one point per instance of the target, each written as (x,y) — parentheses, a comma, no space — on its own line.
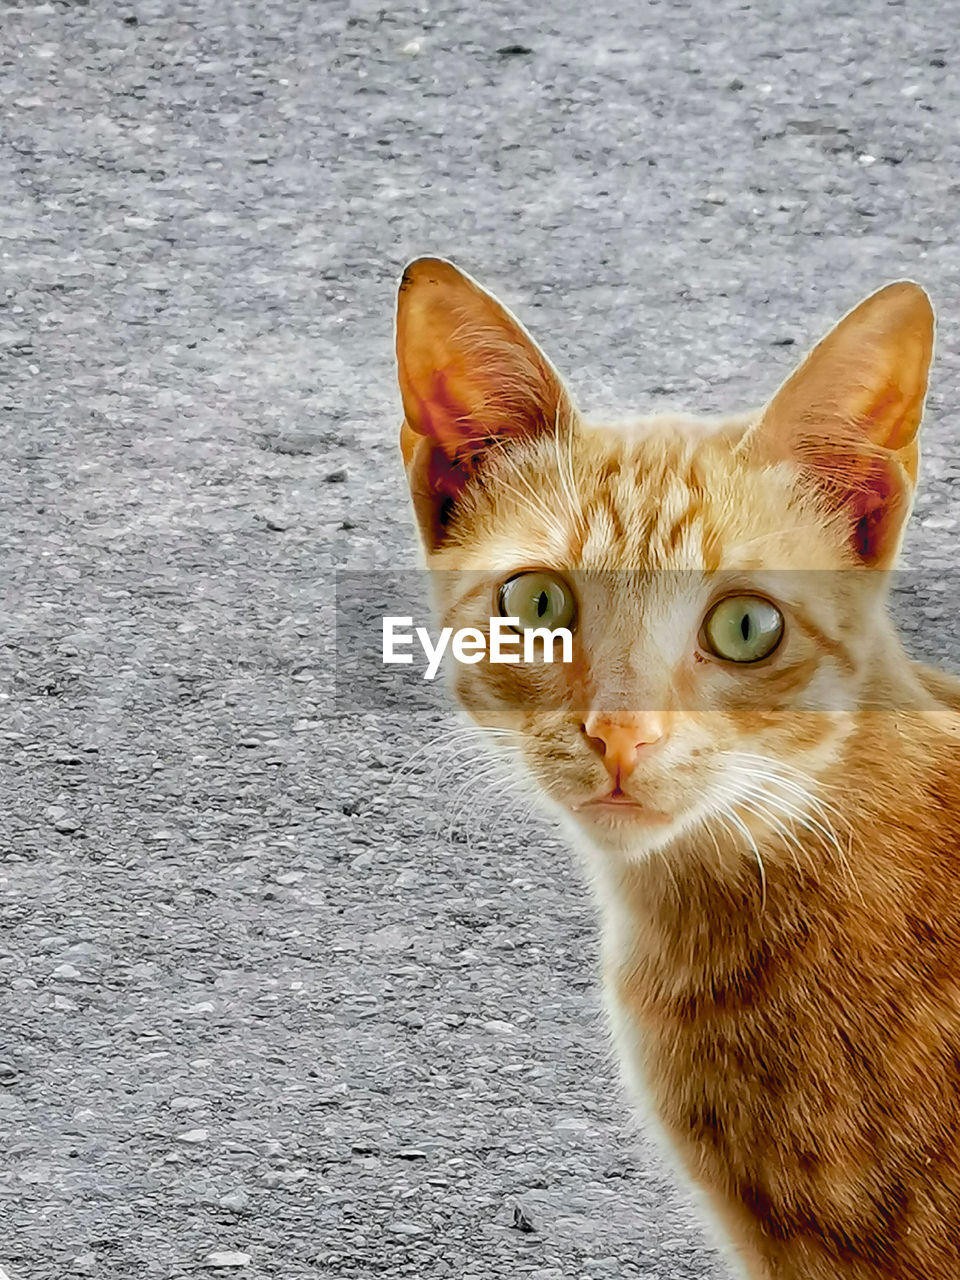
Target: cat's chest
(698,1070)
(731,1064)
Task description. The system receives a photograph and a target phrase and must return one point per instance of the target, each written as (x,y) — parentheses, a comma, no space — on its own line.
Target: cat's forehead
(646,494)
(664,430)
(664,493)
(671,493)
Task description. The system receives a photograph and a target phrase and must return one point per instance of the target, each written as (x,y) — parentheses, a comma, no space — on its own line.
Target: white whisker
(783,789)
(728,813)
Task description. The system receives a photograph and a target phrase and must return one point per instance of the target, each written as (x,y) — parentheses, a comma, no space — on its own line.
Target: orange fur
(779,893)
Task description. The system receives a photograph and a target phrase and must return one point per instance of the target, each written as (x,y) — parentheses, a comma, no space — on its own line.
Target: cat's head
(723,580)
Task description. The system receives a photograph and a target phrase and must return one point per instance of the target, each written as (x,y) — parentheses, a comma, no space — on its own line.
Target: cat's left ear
(850,415)
(471,378)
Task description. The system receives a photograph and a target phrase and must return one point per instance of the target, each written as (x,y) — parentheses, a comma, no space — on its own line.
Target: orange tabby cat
(765,788)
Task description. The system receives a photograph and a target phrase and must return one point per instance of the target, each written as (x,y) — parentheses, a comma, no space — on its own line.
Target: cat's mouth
(618,805)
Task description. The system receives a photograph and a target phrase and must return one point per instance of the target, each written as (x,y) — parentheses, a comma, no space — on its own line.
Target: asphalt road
(265,996)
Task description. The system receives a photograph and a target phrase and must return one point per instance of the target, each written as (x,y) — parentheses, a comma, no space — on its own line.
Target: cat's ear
(471,379)
(850,413)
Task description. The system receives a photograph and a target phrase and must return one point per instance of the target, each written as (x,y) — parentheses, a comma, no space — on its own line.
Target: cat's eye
(538,599)
(743,628)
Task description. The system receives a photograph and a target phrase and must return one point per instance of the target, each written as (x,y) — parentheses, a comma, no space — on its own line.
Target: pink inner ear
(441,415)
(446,478)
(876,510)
(871,493)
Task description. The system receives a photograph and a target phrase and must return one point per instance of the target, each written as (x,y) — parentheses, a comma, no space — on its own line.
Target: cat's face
(662,569)
(719,579)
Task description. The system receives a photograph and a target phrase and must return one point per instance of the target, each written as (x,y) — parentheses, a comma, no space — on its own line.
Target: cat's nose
(622,739)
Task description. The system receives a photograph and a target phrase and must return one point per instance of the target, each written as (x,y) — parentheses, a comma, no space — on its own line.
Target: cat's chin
(627,829)
(619,810)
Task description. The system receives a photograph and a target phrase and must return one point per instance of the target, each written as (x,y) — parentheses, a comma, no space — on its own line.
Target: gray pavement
(254,1004)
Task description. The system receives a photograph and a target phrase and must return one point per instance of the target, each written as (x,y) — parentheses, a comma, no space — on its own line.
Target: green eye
(538,600)
(743,628)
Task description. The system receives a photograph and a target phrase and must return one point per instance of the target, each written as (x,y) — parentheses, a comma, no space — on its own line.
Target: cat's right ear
(849,416)
(471,379)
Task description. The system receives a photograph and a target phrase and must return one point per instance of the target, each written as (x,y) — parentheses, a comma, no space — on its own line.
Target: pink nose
(621,739)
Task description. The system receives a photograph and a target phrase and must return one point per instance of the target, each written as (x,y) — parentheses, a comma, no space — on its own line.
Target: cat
(764,788)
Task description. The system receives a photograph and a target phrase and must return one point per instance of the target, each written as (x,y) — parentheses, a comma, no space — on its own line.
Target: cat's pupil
(745,626)
(541,604)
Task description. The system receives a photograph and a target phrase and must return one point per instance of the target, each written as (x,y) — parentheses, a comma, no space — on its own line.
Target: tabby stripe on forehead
(601,528)
(674,524)
(617,531)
